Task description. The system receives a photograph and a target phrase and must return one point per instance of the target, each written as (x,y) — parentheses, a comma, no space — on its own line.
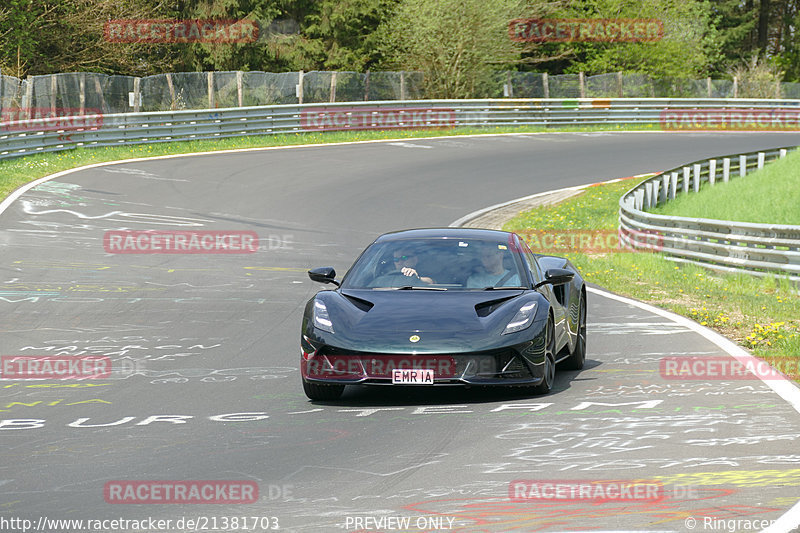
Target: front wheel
(549,374)
(578,356)
(319,391)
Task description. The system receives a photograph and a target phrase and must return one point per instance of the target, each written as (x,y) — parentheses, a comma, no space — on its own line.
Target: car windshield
(436,264)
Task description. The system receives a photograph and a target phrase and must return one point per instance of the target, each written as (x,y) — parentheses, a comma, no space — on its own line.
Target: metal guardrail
(759,249)
(36,136)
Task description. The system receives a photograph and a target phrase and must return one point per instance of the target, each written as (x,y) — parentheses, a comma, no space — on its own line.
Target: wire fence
(86,93)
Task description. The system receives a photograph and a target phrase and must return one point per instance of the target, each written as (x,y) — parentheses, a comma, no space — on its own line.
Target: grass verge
(769,196)
(762,315)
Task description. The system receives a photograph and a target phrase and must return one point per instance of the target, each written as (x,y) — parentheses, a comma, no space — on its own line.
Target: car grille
(498,364)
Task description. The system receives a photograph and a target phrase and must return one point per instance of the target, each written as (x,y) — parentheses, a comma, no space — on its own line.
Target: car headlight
(321,318)
(523,318)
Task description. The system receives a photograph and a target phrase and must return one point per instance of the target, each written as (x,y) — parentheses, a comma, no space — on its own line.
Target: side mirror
(556,276)
(323,275)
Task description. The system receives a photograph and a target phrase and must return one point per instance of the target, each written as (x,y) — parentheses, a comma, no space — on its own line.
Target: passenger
(493,273)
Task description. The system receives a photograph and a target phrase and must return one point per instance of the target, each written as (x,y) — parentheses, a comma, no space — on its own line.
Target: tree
(690,44)
(457,44)
(757,78)
(326,35)
(46,36)
(245,55)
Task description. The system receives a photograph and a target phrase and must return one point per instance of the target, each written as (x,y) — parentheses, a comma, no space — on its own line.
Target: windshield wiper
(418,288)
(503,288)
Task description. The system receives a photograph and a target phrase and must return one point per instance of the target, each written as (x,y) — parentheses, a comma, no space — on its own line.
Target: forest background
(457,44)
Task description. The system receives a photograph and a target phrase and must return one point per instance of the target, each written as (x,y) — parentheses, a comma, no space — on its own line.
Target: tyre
(578,356)
(319,391)
(549,361)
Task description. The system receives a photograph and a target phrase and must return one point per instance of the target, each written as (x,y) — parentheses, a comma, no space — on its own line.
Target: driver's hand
(408,271)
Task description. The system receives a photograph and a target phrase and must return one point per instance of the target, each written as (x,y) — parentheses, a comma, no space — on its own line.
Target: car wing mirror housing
(323,275)
(556,276)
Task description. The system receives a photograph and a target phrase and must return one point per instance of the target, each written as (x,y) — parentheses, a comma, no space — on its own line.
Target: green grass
(19,171)
(762,314)
(770,195)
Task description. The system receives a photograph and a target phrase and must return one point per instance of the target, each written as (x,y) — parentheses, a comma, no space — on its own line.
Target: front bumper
(521,364)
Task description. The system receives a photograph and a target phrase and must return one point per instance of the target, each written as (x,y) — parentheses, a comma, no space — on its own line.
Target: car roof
(445,233)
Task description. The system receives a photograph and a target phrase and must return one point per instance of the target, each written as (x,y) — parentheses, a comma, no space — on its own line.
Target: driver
(404,271)
(492,272)
(405,260)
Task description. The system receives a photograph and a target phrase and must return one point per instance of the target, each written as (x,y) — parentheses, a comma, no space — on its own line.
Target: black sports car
(447,306)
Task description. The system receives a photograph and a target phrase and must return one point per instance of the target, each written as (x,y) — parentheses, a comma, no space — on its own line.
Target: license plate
(412,376)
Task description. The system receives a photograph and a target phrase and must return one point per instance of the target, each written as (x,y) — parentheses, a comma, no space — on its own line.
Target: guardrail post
(638,199)
(686,179)
(742,166)
(697,171)
(673,186)
(761,159)
(782,153)
(648,195)
(664,190)
(726,169)
(712,171)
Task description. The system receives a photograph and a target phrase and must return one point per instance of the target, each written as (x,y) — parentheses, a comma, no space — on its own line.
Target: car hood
(376,320)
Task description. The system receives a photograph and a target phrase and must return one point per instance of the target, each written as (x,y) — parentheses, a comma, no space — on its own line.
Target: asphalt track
(193,337)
